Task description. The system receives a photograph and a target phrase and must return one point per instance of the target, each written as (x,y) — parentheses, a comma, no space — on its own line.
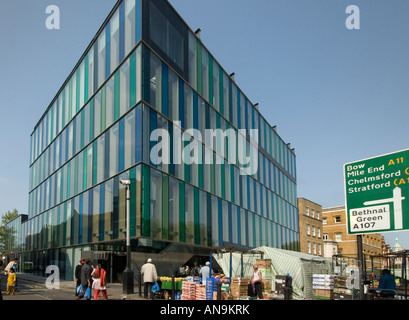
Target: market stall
(299,266)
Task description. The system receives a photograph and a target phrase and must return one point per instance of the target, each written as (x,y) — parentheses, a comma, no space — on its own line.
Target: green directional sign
(377,193)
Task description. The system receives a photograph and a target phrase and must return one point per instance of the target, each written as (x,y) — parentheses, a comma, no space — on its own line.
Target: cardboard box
(324,294)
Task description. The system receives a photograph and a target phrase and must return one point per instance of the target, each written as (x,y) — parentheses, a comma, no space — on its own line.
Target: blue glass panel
(90,210)
(80,221)
(138,20)
(181,103)
(101,212)
(230,223)
(220,209)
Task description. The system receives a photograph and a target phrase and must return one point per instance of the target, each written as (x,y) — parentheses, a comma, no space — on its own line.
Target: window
(337,219)
(101,57)
(308,229)
(325,236)
(192,60)
(307,211)
(324,220)
(166,31)
(110,101)
(114,41)
(173,209)
(155,204)
(338,236)
(155,83)
(124,85)
(130,25)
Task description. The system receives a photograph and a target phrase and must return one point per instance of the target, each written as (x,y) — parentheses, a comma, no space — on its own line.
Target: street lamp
(128,275)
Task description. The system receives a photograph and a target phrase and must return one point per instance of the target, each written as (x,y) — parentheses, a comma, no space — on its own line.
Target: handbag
(87,294)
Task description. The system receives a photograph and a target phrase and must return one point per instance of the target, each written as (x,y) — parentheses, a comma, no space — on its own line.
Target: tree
(4,233)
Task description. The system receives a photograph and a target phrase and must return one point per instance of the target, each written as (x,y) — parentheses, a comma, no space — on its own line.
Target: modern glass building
(147,70)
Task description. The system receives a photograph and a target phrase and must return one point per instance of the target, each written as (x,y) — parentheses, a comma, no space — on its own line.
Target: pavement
(114,290)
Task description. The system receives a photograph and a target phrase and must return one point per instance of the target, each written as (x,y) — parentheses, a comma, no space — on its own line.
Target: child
(11,281)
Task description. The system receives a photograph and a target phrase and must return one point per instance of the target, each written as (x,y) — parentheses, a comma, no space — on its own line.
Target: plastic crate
(211,286)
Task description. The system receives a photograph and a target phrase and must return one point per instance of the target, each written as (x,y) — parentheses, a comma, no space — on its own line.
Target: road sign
(377,193)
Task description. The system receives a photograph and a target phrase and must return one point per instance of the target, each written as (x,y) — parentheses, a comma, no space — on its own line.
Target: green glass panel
(132,201)
(77,97)
(222,175)
(145,201)
(82,128)
(221,91)
(182,229)
(196,217)
(69,101)
(68,180)
(211,81)
(76,176)
(103,107)
(232,183)
(94,163)
(165,207)
(62,109)
(86,80)
(91,124)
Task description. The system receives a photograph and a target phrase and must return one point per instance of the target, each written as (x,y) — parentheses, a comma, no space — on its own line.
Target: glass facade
(144,71)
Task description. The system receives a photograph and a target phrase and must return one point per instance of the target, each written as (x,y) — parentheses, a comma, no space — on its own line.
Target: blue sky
(336,95)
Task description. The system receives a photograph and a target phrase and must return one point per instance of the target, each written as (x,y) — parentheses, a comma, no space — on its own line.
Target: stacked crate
(200,291)
(264,265)
(239,287)
(188,290)
(323,285)
(342,291)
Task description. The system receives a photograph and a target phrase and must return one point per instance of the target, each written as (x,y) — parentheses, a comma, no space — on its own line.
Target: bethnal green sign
(377,193)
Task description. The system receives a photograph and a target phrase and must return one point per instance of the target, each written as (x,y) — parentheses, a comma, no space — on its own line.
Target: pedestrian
(148,272)
(256,280)
(78,275)
(11,281)
(387,284)
(86,279)
(195,271)
(205,272)
(15,268)
(99,282)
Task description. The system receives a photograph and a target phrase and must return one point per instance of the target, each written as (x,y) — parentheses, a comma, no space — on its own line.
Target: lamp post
(128,275)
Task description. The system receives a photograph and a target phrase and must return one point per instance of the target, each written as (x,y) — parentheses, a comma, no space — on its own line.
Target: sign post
(377,197)
(377,193)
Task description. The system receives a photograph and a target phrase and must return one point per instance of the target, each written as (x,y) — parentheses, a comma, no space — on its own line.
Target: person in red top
(99,283)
